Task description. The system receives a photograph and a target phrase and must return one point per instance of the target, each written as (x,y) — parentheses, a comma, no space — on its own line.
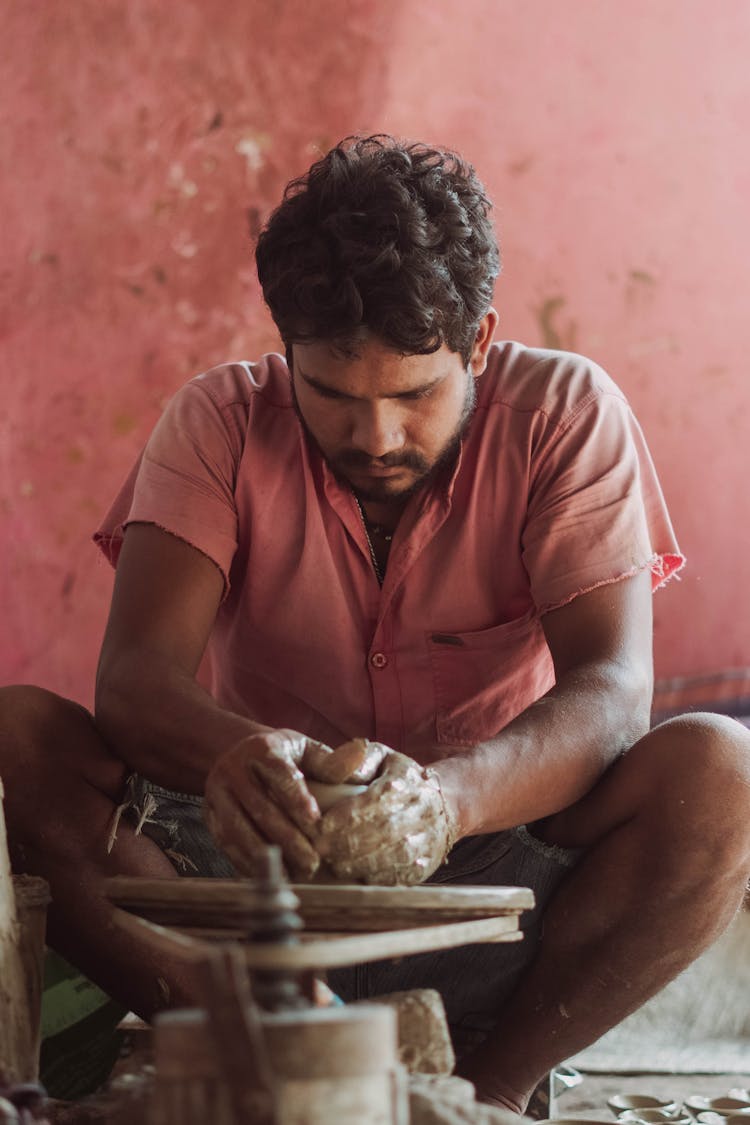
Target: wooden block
(424,1041)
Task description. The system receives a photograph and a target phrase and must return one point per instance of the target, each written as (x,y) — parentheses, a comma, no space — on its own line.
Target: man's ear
(484,337)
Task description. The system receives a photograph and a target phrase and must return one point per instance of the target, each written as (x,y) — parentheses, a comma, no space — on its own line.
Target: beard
(383,490)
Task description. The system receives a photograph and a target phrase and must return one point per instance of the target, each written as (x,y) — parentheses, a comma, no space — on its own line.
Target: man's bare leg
(668,836)
(62,785)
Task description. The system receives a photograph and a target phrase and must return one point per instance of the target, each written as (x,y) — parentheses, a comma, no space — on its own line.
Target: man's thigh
(474,980)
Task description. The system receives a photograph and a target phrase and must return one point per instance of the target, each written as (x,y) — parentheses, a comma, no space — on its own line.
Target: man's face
(383,421)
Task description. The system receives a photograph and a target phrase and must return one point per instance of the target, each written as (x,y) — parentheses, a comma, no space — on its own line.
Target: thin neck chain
(373,556)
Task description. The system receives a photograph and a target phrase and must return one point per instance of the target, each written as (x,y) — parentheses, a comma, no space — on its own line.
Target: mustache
(358,459)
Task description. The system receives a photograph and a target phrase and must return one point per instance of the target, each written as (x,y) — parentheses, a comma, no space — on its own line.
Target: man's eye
(414,395)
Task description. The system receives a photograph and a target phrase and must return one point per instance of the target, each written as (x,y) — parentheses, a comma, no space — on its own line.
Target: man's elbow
(633,689)
(115,701)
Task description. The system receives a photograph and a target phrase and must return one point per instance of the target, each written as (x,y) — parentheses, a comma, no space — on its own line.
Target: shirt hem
(110,544)
(663,567)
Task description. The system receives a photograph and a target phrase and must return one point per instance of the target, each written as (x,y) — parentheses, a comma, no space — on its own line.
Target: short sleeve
(596,511)
(184,481)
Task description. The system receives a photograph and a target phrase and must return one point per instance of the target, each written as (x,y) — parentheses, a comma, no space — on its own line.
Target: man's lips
(378,470)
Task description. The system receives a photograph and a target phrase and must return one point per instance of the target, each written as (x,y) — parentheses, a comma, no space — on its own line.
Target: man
(408,533)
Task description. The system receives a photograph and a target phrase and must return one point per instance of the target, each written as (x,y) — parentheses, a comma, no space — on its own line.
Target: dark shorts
(474,980)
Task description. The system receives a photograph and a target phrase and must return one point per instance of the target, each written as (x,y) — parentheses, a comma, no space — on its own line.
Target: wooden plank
(320,903)
(226,902)
(215,933)
(329,953)
(358,948)
(19,1021)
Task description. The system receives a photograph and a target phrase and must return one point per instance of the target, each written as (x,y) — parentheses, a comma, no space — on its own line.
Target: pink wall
(143,141)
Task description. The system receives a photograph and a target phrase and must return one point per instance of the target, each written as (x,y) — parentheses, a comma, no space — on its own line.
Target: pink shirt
(554,494)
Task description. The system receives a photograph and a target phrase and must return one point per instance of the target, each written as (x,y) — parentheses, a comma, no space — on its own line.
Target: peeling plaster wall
(148,141)
(143,144)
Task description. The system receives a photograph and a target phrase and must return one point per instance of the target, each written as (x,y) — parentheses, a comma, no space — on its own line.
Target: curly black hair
(383,238)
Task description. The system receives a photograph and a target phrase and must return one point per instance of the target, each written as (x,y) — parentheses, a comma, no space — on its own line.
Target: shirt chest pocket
(484,679)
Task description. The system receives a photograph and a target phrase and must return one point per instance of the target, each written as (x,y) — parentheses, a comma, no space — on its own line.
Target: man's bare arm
(552,754)
(148,703)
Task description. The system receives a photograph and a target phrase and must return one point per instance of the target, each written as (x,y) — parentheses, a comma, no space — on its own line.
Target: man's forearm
(551,754)
(163,724)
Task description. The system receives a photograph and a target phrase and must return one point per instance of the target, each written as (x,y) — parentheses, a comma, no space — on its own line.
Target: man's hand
(256,795)
(398,831)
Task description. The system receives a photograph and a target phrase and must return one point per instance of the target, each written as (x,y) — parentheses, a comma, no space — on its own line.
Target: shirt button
(378,660)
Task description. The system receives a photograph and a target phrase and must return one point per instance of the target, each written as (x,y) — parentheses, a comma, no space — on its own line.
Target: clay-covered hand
(398,831)
(256,795)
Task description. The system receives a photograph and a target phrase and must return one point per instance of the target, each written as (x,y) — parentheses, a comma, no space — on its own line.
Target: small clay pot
(620,1104)
(725,1107)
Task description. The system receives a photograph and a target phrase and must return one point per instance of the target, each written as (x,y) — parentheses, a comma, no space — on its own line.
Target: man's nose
(377,429)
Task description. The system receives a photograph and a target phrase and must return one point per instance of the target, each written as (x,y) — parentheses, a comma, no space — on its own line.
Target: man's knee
(31,719)
(44,736)
(702,752)
(695,769)
(27,710)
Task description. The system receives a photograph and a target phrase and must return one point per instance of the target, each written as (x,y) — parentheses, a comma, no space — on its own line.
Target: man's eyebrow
(411,393)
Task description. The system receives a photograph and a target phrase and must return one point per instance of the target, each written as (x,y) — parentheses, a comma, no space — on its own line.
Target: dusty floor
(586,1102)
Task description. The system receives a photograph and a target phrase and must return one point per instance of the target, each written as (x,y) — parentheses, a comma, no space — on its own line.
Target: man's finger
(371,766)
(299,855)
(246,823)
(285,783)
(334,767)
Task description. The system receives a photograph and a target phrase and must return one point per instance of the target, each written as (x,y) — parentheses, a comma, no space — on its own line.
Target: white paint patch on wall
(251,148)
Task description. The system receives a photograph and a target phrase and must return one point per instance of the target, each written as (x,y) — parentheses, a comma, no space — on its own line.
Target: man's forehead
(374,368)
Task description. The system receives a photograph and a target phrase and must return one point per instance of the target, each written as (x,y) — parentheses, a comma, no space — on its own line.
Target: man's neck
(384,514)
